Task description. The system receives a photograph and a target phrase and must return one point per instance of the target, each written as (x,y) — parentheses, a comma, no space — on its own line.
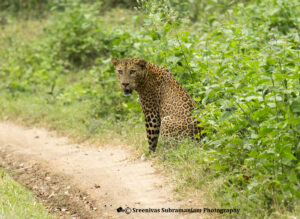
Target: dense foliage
(240,62)
(37,8)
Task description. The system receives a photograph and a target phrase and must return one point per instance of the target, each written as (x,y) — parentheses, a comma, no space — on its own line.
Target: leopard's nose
(125,84)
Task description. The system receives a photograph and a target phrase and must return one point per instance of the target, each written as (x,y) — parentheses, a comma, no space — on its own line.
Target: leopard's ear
(114,61)
(142,63)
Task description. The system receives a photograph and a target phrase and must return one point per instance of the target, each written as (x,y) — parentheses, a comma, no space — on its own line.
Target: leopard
(166,105)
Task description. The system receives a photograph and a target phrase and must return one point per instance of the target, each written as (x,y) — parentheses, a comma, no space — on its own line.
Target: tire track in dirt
(84,182)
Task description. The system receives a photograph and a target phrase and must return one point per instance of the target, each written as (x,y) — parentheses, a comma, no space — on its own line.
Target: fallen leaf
(97,186)
(246,177)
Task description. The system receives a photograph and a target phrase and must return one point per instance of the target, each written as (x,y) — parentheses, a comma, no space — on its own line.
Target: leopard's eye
(120,72)
(132,71)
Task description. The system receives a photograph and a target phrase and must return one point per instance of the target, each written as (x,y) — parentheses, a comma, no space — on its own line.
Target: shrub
(76,34)
(241,67)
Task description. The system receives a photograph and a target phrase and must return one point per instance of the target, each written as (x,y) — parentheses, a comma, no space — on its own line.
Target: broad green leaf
(295,106)
(292,176)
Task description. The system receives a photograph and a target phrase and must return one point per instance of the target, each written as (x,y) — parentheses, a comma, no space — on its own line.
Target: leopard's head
(130,72)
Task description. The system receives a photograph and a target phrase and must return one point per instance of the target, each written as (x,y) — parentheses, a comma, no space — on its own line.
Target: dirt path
(84,182)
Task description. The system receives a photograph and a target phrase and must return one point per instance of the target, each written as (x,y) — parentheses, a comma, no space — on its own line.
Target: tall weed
(241,65)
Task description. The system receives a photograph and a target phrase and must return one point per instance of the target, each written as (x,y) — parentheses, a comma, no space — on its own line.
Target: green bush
(37,8)
(19,5)
(241,66)
(76,35)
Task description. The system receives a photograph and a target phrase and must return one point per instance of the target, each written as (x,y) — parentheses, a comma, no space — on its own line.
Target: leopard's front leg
(152,122)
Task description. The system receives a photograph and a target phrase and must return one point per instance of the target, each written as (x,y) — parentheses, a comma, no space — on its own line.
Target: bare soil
(80,181)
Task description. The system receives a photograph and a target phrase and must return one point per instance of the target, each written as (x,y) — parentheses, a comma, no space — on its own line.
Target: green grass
(184,162)
(188,165)
(17,201)
(240,64)
(71,120)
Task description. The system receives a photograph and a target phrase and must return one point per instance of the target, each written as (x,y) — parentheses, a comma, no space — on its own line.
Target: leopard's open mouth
(127,92)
